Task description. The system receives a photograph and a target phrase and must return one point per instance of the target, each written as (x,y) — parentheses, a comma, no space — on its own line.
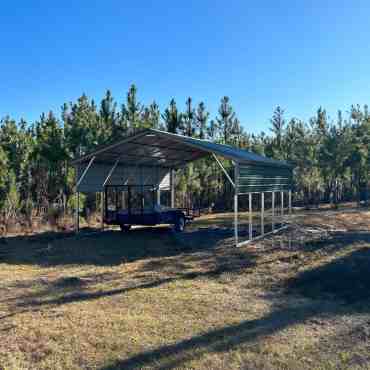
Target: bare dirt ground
(156,300)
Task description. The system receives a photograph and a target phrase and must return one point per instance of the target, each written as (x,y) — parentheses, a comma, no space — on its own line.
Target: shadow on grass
(339,287)
(105,248)
(345,278)
(42,298)
(327,241)
(77,289)
(219,340)
(336,241)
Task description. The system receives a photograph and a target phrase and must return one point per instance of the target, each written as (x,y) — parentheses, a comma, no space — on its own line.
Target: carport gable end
(99,175)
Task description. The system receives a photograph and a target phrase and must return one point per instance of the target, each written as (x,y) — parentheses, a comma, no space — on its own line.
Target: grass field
(156,300)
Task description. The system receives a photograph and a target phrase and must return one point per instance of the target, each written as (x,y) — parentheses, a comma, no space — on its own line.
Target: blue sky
(297,54)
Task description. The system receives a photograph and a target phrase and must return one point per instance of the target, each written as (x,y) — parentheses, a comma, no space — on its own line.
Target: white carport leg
(273,211)
(102,209)
(262,213)
(77,211)
(250,217)
(77,222)
(282,205)
(103,191)
(123,199)
(172,185)
(236,190)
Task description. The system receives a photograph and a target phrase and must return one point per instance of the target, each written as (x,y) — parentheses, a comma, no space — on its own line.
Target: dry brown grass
(153,299)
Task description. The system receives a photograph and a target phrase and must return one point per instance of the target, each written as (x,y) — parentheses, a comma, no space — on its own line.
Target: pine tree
(9,142)
(81,126)
(332,159)
(150,116)
(109,124)
(172,118)
(278,126)
(225,120)
(201,119)
(132,110)
(188,119)
(4,165)
(360,147)
(49,157)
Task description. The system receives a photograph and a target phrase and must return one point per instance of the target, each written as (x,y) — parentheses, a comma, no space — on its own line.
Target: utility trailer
(127,205)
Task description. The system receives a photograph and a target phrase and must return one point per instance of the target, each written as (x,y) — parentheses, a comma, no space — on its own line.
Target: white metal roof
(158,148)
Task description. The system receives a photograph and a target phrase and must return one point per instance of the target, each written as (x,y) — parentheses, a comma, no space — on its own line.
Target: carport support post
(262,213)
(282,205)
(102,209)
(77,211)
(159,196)
(273,212)
(172,185)
(236,192)
(78,193)
(250,217)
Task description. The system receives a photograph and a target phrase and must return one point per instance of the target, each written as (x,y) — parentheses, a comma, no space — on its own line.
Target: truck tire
(180,224)
(125,228)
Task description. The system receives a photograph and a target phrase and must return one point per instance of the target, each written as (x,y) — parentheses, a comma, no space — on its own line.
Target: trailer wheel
(125,228)
(180,224)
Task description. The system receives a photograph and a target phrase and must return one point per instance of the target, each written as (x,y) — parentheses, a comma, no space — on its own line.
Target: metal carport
(154,154)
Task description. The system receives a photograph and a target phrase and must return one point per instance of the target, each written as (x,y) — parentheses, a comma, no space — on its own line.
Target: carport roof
(159,148)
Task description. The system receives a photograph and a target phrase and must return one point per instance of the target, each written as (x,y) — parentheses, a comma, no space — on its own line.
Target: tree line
(331,156)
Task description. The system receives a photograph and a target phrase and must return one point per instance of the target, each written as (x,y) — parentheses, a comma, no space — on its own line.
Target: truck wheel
(125,227)
(180,224)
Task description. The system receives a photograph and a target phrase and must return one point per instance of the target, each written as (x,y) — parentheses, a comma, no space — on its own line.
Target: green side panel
(264,179)
(264,171)
(260,189)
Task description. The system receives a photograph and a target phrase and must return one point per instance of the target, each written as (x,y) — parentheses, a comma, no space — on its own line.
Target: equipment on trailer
(127,205)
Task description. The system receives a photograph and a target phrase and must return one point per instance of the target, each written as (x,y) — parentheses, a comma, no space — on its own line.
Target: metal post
(250,217)
(102,210)
(77,212)
(236,191)
(78,183)
(172,184)
(105,201)
(262,213)
(282,205)
(273,212)
(159,196)
(123,199)
(290,202)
